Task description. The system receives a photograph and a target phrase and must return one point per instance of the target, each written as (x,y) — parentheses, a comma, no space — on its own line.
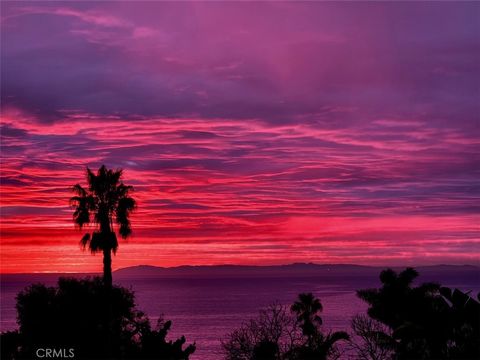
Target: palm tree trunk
(107,267)
(107,280)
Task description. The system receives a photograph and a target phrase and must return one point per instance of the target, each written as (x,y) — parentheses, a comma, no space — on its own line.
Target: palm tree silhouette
(106,201)
(318,345)
(307,308)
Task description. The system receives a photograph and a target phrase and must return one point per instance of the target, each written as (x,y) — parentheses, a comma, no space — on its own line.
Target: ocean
(205,309)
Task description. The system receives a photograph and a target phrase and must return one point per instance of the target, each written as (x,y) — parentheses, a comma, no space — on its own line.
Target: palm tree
(307,308)
(318,345)
(106,201)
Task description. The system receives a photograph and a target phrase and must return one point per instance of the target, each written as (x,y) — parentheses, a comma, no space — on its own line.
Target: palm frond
(79,190)
(337,336)
(103,241)
(123,190)
(125,229)
(85,240)
(106,199)
(81,215)
(332,338)
(115,176)
(82,204)
(91,179)
(124,207)
(95,244)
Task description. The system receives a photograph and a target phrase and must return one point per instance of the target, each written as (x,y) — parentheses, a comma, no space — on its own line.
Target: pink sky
(253,133)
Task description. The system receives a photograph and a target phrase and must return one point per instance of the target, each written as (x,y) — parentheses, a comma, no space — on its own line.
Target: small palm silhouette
(307,308)
(106,201)
(318,345)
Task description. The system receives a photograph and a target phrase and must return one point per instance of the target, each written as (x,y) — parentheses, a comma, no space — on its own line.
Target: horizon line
(237,265)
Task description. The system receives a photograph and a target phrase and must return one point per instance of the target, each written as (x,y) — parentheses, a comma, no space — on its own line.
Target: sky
(253,132)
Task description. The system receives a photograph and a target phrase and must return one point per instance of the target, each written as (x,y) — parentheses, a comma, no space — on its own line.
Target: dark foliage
(266,350)
(307,309)
(427,321)
(9,343)
(280,334)
(93,320)
(371,340)
(271,335)
(317,345)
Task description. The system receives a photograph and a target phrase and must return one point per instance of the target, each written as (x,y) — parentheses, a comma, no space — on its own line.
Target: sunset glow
(308,135)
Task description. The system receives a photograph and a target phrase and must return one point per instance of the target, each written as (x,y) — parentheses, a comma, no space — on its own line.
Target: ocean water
(206,309)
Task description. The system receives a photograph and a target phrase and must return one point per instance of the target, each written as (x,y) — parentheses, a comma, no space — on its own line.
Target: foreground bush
(371,340)
(93,320)
(424,322)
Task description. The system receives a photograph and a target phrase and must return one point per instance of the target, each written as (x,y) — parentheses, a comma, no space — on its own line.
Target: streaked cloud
(252,132)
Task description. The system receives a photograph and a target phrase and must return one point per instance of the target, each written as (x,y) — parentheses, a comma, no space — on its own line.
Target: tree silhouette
(307,308)
(372,340)
(279,334)
(463,318)
(319,346)
(106,201)
(94,321)
(426,321)
(272,335)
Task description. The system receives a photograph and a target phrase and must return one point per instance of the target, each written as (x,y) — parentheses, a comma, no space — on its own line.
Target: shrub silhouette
(79,315)
(372,340)
(266,350)
(9,343)
(427,321)
(271,335)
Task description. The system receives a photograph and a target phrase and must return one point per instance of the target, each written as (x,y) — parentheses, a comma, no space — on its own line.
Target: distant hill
(444,274)
(440,273)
